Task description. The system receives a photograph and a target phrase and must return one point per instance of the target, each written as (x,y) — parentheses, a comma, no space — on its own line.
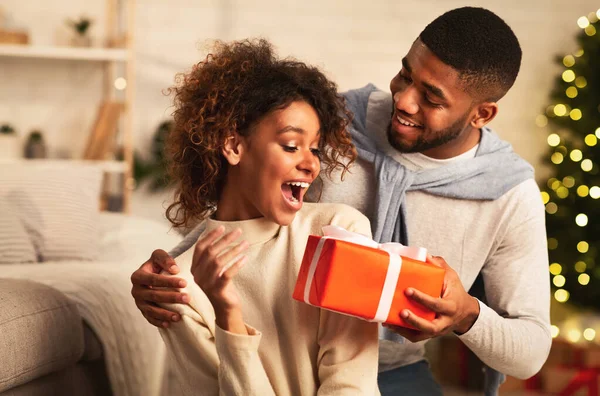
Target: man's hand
(455,310)
(147,278)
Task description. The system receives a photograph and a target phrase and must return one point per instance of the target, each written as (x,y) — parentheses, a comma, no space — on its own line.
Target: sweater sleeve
(208,358)
(348,347)
(512,334)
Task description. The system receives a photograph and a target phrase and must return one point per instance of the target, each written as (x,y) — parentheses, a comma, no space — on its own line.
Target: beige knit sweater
(293,348)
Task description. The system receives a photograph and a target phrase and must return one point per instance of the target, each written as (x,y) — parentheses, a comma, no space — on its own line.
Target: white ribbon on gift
(395,250)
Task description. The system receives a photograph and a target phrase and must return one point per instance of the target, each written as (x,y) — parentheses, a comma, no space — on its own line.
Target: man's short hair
(480,46)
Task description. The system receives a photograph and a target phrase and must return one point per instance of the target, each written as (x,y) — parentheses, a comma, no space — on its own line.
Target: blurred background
(85,81)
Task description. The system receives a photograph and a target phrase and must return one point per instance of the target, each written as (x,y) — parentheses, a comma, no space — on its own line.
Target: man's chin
(402,145)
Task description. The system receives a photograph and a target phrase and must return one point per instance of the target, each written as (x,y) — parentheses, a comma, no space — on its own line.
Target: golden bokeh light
(580,266)
(587,165)
(583,22)
(583,279)
(575,114)
(569,60)
(580,82)
(581,220)
(555,331)
(583,191)
(551,208)
(583,247)
(591,140)
(562,192)
(557,158)
(561,295)
(541,120)
(571,92)
(555,269)
(569,181)
(559,281)
(545,197)
(573,335)
(553,140)
(590,30)
(589,334)
(576,155)
(568,76)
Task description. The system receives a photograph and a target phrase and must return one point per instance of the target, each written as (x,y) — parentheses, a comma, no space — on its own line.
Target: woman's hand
(214,265)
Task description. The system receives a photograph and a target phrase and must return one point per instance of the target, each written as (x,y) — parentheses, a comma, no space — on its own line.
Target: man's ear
(485,112)
(233,149)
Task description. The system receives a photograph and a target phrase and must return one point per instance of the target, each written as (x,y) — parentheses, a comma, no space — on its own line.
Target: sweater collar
(255,231)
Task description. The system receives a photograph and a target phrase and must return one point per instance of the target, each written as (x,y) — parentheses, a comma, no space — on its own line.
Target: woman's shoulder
(322,214)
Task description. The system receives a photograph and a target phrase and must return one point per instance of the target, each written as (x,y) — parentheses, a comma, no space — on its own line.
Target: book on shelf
(102,138)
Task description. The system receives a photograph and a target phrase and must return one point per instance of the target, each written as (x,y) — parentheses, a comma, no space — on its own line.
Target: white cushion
(15,245)
(58,202)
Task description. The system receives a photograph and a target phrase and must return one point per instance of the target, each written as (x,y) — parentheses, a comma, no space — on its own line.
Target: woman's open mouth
(294,191)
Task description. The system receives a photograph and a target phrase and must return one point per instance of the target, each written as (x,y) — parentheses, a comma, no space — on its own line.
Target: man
(435,174)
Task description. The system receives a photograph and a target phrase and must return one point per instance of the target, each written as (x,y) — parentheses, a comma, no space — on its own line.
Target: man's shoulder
(526,191)
(359,97)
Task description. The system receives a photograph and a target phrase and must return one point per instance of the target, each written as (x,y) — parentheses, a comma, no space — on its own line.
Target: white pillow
(58,202)
(15,245)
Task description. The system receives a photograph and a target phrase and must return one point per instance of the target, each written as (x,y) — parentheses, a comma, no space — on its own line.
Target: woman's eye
(316,152)
(290,149)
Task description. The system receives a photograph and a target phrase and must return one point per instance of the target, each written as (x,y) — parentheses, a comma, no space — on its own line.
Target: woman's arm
(211,347)
(348,353)
(348,347)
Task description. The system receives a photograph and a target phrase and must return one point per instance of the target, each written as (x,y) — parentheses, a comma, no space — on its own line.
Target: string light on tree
(571,194)
(581,220)
(589,334)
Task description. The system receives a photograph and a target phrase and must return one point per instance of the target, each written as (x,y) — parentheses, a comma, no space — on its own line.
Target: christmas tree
(572,194)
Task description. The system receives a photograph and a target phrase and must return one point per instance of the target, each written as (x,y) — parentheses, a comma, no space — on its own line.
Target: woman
(249,139)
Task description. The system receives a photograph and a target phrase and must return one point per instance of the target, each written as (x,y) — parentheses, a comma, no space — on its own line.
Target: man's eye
(290,149)
(431,103)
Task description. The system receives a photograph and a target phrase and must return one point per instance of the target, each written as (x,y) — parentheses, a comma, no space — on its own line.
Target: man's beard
(428,139)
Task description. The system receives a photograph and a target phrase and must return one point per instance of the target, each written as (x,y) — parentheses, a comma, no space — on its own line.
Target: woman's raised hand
(214,265)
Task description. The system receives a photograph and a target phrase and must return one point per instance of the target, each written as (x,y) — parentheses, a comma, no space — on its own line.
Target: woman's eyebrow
(291,128)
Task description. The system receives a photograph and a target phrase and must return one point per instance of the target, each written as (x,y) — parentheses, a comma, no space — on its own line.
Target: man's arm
(151,288)
(512,333)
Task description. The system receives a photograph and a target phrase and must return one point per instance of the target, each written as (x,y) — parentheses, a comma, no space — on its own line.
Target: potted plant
(35,146)
(81,27)
(10,146)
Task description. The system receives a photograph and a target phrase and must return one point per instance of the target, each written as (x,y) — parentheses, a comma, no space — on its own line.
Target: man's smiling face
(431,106)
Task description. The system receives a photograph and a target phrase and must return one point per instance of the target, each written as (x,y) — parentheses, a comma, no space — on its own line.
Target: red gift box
(361,280)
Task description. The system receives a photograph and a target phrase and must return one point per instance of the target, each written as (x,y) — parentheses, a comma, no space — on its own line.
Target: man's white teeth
(403,122)
(299,184)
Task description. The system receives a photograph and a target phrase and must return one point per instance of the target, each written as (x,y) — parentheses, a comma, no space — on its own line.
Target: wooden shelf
(65,53)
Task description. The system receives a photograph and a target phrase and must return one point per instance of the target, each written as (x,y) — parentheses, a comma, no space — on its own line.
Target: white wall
(354,41)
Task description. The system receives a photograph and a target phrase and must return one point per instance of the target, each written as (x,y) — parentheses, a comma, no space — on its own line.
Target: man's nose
(406,101)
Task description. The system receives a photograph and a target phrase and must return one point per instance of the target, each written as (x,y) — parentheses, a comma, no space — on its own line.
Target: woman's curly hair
(237,85)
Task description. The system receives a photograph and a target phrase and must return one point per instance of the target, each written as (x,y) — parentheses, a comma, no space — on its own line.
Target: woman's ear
(485,113)
(232,149)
